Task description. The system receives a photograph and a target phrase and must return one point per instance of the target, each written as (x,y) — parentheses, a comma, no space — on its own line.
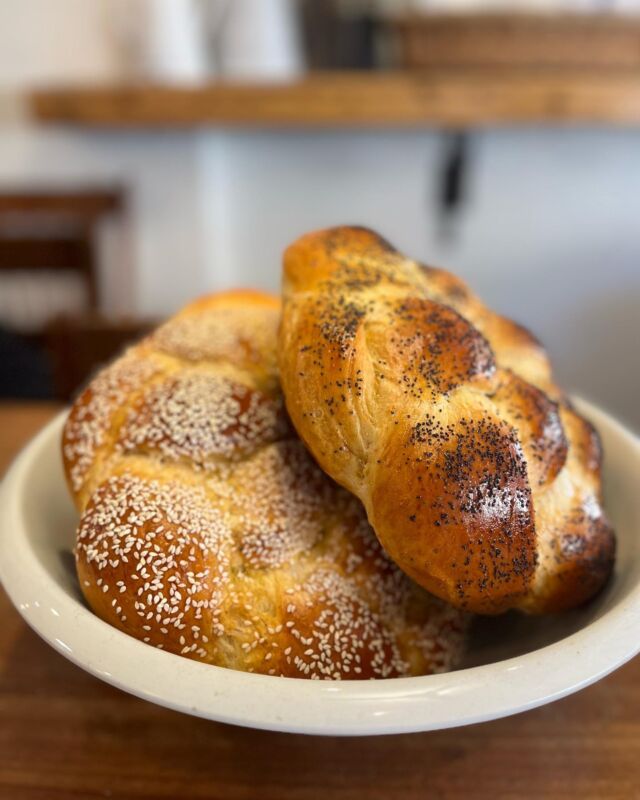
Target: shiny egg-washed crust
(480,480)
(206,528)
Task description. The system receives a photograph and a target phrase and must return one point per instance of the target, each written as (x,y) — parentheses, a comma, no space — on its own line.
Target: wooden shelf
(338,100)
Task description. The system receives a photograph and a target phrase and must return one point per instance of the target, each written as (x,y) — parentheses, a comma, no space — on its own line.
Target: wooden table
(64,734)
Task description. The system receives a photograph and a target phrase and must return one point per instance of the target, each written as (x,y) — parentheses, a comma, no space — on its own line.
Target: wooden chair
(78,346)
(47,235)
(48,267)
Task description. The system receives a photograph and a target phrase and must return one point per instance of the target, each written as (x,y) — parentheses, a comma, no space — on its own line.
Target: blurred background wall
(544,224)
(549,234)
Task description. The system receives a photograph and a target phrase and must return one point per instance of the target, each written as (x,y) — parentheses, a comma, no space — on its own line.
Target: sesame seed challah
(207,530)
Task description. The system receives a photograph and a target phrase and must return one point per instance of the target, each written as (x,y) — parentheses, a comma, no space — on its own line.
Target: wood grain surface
(394,99)
(64,734)
(516,39)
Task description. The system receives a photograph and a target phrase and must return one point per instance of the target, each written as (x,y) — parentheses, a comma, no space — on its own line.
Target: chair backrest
(78,346)
(48,259)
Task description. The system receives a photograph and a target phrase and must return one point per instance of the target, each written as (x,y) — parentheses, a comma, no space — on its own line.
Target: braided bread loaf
(480,480)
(207,530)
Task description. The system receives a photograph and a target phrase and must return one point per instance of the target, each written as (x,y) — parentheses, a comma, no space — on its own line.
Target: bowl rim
(468,696)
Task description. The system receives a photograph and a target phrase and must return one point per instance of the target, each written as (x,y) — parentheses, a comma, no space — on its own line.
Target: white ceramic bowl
(514,663)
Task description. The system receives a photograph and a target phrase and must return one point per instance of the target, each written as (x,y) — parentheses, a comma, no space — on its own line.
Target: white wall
(49,41)
(551,235)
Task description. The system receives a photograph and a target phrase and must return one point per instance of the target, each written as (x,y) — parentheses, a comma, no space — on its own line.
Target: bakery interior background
(106,228)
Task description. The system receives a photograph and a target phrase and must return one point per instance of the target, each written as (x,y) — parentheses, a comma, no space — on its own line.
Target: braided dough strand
(479,479)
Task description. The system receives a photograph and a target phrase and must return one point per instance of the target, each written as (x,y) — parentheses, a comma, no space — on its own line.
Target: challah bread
(480,480)
(206,528)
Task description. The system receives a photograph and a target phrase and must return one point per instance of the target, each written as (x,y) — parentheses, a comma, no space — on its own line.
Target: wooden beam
(45,253)
(87,204)
(350,100)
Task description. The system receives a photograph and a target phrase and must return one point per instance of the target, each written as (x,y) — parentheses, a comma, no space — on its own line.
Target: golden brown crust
(207,529)
(466,483)
(576,542)
(443,418)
